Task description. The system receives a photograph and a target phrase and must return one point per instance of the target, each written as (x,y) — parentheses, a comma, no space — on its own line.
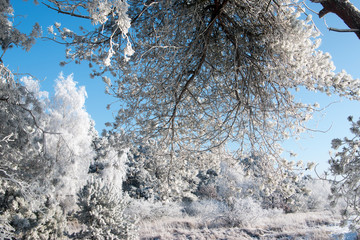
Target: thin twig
(67,13)
(343,30)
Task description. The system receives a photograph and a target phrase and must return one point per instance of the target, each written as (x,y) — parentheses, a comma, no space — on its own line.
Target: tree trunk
(345,10)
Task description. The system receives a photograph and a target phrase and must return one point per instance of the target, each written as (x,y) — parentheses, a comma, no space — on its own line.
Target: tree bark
(345,10)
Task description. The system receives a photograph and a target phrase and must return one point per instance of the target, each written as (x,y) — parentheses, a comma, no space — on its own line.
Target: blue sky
(43,62)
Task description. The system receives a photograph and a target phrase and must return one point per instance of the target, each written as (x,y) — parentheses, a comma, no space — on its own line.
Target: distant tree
(111,155)
(345,166)
(151,173)
(70,146)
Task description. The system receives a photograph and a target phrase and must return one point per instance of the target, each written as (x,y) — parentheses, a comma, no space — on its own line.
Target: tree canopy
(205,73)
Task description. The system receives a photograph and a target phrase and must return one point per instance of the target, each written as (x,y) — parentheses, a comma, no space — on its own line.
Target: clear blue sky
(43,62)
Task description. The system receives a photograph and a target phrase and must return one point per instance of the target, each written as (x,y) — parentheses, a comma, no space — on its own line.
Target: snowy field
(313,225)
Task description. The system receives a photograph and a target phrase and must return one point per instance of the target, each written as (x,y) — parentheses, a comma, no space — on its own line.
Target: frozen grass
(311,225)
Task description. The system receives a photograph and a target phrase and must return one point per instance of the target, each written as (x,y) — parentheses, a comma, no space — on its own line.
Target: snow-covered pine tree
(102,211)
(101,201)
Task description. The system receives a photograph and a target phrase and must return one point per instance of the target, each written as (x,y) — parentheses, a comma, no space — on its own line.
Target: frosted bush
(6,230)
(243,212)
(230,183)
(149,210)
(102,211)
(205,209)
(318,198)
(25,217)
(101,201)
(51,223)
(154,173)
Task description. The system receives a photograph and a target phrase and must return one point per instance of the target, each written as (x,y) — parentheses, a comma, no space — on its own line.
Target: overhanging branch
(66,13)
(345,10)
(343,30)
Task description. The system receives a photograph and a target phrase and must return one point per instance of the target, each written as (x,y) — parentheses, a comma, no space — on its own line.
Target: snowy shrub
(31,218)
(102,211)
(207,191)
(154,210)
(205,209)
(241,212)
(318,198)
(51,223)
(207,188)
(101,201)
(230,183)
(6,230)
(155,173)
(285,188)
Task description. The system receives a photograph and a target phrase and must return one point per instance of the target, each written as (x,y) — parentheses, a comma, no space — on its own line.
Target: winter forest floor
(313,225)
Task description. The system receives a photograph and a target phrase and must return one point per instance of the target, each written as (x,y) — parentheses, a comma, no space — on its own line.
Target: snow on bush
(102,210)
(29,217)
(154,210)
(318,198)
(215,214)
(205,209)
(154,173)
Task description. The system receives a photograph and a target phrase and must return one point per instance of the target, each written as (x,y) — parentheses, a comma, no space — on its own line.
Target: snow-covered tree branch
(9,35)
(345,166)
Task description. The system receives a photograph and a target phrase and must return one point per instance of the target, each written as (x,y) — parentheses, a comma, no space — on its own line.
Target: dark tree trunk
(345,10)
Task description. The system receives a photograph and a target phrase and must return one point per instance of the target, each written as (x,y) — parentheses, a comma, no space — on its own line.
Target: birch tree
(70,147)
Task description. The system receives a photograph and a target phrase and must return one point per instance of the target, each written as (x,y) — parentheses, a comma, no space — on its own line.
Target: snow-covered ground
(312,225)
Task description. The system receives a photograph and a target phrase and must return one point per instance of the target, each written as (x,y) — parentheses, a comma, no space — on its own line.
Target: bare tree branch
(345,10)
(67,13)
(343,30)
